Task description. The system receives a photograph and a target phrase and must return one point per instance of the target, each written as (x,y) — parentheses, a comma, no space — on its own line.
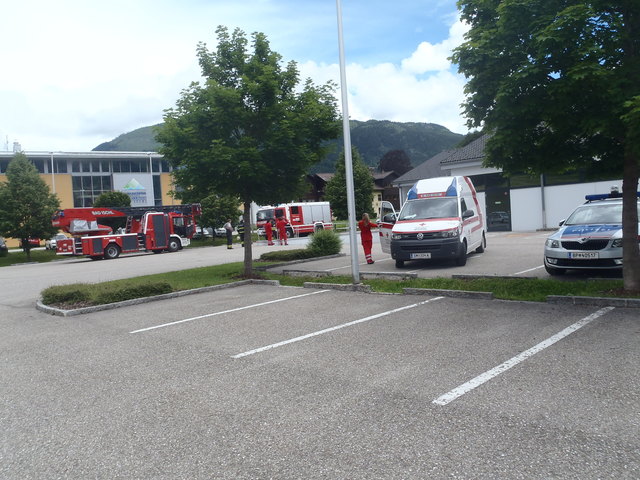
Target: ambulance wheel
(174,245)
(483,245)
(461,259)
(112,251)
(319,228)
(399,263)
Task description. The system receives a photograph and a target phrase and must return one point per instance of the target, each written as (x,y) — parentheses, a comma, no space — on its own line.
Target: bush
(325,242)
(62,295)
(286,255)
(133,291)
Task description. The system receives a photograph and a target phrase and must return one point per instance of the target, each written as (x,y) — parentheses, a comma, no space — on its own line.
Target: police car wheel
(554,271)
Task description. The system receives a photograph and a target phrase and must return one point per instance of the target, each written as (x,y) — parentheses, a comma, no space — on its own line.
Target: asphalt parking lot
(262,381)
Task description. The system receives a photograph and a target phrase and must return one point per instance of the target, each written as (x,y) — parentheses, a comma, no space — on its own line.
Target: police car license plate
(416,256)
(583,255)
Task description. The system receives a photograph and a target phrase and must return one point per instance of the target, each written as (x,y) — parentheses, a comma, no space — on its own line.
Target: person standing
(366,238)
(268,231)
(240,230)
(281,226)
(229,231)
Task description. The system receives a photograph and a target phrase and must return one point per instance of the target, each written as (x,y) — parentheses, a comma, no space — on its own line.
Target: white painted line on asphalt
(331,329)
(529,270)
(255,305)
(349,266)
(494,372)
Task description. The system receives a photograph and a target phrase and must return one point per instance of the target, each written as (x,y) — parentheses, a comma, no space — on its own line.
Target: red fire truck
(302,218)
(156,229)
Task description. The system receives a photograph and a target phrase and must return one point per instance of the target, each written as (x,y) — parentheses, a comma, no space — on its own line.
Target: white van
(440,219)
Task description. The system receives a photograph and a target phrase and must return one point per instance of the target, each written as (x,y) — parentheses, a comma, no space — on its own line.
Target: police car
(590,238)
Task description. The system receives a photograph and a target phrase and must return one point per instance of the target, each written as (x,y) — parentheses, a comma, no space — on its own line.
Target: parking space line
(349,266)
(332,329)
(529,270)
(255,305)
(494,372)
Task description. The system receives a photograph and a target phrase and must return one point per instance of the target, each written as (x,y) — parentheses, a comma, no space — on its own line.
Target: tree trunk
(248,241)
(630,247)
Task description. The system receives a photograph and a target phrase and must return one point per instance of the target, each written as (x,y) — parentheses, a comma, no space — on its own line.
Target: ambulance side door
(385,223)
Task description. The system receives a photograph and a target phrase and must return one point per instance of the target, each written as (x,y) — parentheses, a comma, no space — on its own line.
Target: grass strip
(536,290)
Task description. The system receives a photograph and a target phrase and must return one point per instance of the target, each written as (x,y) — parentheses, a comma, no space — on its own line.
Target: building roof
(474,151)
(437,165)
(428,169)
(79,155)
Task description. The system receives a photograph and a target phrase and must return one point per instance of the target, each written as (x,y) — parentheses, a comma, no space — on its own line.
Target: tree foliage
(395,161)
(112,199)
(555,83)
(248,130)
(216,210)
(336,189)
(26,204)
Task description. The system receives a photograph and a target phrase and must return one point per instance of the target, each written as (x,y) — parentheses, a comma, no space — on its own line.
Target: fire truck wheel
(112,251)
(290,233)
(174,246)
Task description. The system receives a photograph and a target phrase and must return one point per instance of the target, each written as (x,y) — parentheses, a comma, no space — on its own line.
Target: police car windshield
(427,208)
(592,213)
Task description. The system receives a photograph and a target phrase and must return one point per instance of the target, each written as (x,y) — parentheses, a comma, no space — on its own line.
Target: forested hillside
(373,138)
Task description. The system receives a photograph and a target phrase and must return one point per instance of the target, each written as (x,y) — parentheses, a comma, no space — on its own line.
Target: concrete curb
(345,287)
(136,301)
(293,262)
(500,277)
(594,301)
(365,275)
(448,293)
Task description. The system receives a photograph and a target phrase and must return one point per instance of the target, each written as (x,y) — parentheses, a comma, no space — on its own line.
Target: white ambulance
(441,219)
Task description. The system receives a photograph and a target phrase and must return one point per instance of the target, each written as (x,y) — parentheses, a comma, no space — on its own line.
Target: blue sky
(80,72)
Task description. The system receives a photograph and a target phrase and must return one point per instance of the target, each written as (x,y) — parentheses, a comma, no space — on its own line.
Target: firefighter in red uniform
(281,226)
(365,226)
(268,231)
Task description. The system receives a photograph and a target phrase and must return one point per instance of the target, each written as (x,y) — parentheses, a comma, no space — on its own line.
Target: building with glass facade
(78,178)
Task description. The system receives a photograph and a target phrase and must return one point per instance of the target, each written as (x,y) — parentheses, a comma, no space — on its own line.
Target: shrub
(325,242)
(133,291)
(286,255)
(62,295)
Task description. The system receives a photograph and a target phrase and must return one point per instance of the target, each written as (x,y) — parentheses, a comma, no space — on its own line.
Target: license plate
(583,255)
(416,256)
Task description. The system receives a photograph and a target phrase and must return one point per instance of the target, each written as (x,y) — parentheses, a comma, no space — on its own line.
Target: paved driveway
(277,382)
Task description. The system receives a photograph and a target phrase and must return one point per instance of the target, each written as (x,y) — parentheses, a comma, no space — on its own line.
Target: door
(385,223)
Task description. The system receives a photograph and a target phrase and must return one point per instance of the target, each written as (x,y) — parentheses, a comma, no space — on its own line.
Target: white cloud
(424,88)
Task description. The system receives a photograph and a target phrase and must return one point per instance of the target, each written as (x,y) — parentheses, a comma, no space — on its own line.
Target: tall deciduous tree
(113,199)
(248,130)
(336,189)
(26,204)
(395,161)
(555,82)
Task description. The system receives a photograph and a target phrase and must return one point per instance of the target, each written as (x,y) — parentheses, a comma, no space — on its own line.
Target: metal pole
(53,178)
(348,162)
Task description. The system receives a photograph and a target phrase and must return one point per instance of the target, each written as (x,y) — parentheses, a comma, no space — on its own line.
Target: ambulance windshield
(428,208)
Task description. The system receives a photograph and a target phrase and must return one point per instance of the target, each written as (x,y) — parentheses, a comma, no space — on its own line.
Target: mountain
(373,138)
